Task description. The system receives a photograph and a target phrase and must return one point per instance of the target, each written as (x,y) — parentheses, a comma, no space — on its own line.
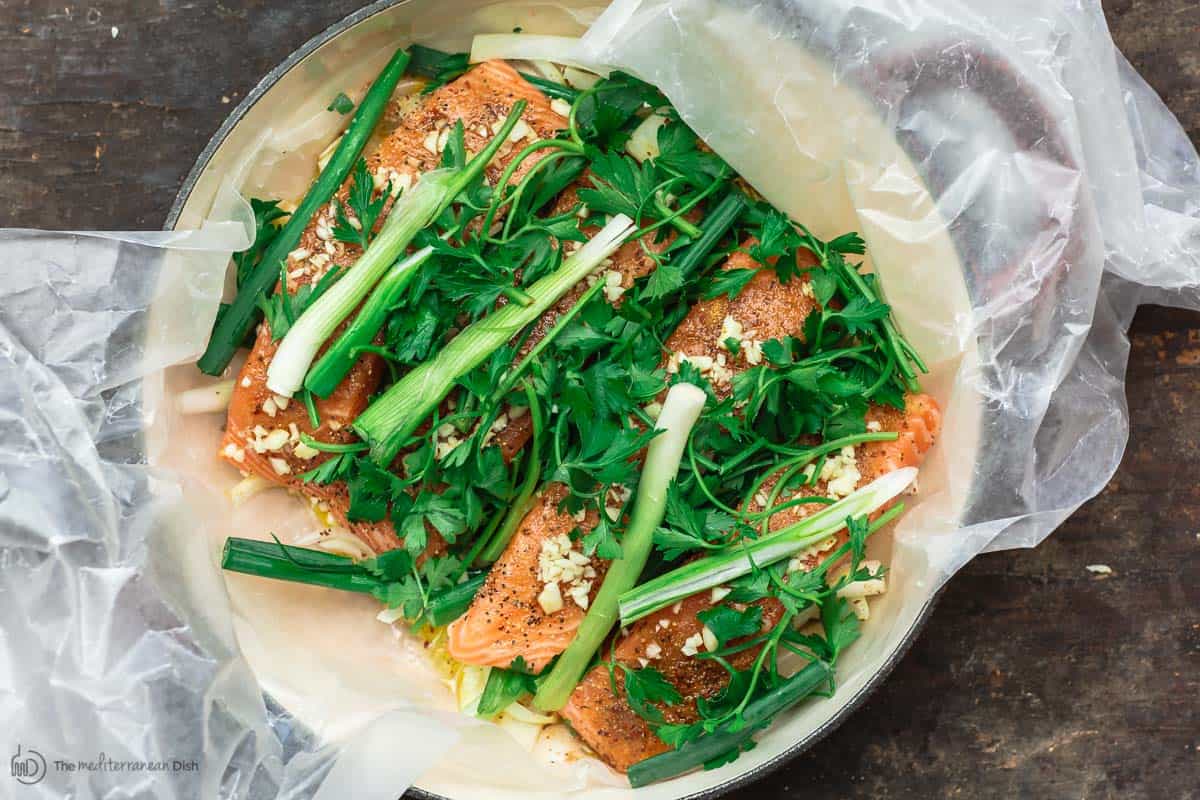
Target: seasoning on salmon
(262,435)
(506,619)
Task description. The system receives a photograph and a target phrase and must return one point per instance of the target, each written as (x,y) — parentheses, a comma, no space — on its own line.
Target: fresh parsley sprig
(358,227)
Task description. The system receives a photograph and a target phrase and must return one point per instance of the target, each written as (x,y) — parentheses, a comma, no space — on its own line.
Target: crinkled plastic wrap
(1020,189)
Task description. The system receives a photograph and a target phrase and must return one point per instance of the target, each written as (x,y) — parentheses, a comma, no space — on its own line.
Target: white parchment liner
(1020,190)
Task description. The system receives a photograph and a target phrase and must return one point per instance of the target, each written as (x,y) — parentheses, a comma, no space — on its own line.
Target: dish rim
(752,775)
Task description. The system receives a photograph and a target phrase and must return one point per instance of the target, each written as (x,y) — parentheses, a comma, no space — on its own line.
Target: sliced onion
(471,683)
(565,50)
(579,78)
(522,714)
(389,615)
(643,142)
(248,487)
(525,733)
(344,543)
(548,70)
(205,399)
(327,153)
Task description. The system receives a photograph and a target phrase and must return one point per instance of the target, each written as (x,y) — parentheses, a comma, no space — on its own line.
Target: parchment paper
(1021,191)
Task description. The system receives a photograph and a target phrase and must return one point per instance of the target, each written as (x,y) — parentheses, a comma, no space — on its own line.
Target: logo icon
(28,767)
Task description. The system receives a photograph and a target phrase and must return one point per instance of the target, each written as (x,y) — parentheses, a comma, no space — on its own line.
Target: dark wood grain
(1035,678)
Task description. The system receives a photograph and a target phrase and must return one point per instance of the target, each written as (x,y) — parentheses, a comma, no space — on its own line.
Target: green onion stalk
(332,367)
(319,568)
(494,548)
(552,89)
(296,564)
(390,420)
(680,410)
(716,224)
(233,325)
(412,213)
(732,736)
(743,557)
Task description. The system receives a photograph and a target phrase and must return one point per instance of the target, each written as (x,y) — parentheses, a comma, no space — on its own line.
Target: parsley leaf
(283,308)
(778,239)
(690,526)
(601,540)
(666,279)
(605,113)
(265,213)
(679,151)
(620,185)
(440,67)
(841,626)
(393,565)
(341,104)
(727,623)
(359,229)
(439,511)
(824,285)
(371,490)
(647,687)
(859,314)
(729,282)
(847,244)
(333,469)
(404,594)
(677,735)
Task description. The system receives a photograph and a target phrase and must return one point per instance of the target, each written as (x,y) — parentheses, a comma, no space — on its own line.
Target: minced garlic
(612,286)
(447,440)
(749,347)
(550,598)
(618,495)
(714,369)
(560,563)
(692,644)
(840,473)
(875,585)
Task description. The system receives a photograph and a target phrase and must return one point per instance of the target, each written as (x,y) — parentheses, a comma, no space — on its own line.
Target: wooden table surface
(1035,677)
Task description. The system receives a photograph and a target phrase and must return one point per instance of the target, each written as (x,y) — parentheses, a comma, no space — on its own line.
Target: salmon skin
(262,431)
(505,621)
(605,721)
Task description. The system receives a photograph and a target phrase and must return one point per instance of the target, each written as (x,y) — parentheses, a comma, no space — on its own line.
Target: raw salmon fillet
(505,620)
(481,99)
(604,720)
(765,308)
